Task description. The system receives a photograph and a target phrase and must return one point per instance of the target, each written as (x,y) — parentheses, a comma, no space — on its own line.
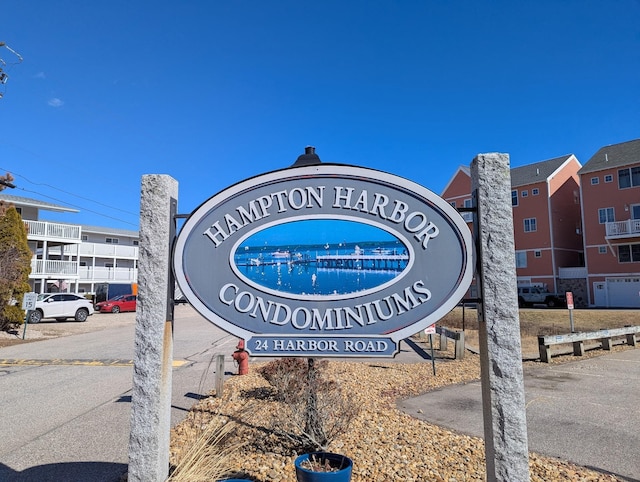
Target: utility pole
(3,64)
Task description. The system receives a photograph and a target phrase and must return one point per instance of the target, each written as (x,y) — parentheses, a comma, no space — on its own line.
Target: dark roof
(25,201)
(615,155)
(537,172)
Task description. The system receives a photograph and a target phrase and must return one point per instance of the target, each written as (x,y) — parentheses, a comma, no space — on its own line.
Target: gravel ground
(385,443)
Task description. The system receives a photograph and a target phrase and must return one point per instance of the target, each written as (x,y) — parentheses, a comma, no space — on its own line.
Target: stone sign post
(151,399)
(505,425)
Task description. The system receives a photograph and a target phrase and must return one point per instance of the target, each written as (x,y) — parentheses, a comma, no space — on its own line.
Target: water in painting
(321,257)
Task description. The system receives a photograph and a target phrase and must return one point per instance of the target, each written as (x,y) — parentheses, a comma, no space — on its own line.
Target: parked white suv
(61,306)
(531,295)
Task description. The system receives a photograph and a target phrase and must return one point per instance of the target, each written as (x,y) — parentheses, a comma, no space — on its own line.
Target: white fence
(569,273)
(102,250)
(53,268)
(100,273)
(623,228)
(52,231)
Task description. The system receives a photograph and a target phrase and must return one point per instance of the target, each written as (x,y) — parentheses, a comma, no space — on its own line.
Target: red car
(117,304)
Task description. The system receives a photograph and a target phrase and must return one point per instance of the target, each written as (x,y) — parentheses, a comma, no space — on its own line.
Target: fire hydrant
(241,357)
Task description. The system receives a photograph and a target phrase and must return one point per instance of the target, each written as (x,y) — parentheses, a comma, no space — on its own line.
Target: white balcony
(568,273)
(46,231)
(99,250)
(88,274)
(48,268)
(623,229)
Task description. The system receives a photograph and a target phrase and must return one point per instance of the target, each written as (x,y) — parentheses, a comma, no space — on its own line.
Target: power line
(70,194)
(78,207)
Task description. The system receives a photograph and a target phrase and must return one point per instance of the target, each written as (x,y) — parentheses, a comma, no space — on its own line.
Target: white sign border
(334,170)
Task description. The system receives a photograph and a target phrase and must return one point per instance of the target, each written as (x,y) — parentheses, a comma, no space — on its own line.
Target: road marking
(92,363)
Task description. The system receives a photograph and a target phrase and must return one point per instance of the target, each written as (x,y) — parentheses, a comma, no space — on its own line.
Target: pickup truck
(539,295)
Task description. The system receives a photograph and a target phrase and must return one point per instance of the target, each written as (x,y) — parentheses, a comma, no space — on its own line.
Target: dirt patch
(544,321)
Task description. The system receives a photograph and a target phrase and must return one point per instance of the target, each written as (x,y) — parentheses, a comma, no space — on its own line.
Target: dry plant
(209,457)
(314,410)
(317,463)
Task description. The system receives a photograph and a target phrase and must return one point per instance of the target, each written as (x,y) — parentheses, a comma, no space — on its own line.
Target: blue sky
(213,92)
(318,232)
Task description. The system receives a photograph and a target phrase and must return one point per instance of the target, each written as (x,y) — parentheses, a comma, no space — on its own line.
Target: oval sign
(326,260)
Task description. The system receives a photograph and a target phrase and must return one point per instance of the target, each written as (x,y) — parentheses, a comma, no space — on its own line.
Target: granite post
(503,401)
(153,359)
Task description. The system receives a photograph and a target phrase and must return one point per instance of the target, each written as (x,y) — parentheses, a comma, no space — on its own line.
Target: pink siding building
(546,217)
(610,183)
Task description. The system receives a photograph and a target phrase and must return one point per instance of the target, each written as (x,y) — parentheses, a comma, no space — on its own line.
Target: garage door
(624,292)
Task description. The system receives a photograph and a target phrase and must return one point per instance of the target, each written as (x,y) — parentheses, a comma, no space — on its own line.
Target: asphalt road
(585,411)
(65,402)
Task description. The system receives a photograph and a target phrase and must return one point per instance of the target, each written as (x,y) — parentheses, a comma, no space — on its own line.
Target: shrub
(315,409)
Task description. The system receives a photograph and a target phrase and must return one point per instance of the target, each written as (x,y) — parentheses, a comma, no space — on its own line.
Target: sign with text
(29,301)
(326,260)
(569,297)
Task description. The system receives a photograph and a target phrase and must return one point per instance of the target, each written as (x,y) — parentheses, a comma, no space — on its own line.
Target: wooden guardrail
(578,339)
(457,336)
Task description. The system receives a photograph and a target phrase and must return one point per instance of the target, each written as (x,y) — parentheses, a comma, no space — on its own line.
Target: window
(524,193)
(19,211)
(606,215)
(108,265)
(537,253)
(84,237)
(514,198)
(595,180)
(629,253)
(535,191)
(111,240)
(468,217)
(521,259)
(135,242)
(83,263)
(530,225)
(629,177)
(608,178)
(602,249)
(453,203)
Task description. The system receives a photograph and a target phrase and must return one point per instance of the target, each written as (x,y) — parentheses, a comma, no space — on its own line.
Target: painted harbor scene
(321,257)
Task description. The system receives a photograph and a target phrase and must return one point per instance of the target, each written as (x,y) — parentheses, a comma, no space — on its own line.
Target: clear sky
(212,92)
(318,232)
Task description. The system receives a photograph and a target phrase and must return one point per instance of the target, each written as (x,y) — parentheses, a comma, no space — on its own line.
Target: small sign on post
(431,330)
(569,296)
(29,301)
(28,304)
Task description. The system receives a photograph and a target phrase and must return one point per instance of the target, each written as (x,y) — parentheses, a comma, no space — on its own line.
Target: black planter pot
(342,463)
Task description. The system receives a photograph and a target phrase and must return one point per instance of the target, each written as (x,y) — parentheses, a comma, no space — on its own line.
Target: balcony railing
(623,229)
(101,250)
(100,273)
(54,269)
(567,273)
(46,231)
